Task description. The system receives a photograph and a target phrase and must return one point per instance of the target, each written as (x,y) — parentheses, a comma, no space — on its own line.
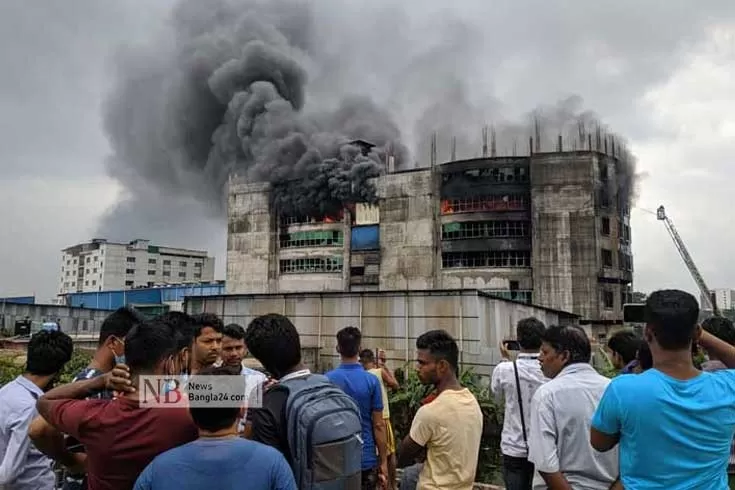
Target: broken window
(510,202)
(309,220)
(605,226)
(311,265)
(607,258)
(316,238)
(608,299)
(485,229)
(512,258)
(625,261)
(508,174)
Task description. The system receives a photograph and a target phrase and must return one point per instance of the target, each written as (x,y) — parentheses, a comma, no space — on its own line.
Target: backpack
(324,435)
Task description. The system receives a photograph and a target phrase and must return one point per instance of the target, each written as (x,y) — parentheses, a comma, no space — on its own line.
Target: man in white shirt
(561,415)
(509,378)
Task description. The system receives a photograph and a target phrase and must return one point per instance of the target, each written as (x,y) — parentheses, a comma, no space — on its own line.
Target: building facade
(725,298)
(547,229)
(100,265)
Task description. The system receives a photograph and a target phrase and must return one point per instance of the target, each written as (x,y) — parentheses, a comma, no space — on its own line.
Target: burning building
(548,228)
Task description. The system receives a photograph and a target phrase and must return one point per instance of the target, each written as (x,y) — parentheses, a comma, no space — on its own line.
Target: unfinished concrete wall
(250,240)
(408,246)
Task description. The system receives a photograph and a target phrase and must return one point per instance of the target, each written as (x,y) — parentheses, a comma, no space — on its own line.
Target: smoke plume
(255,89)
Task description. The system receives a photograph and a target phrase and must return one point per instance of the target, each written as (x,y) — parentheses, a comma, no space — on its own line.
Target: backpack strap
(520,402)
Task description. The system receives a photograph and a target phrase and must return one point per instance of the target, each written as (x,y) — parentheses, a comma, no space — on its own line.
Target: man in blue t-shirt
(364,388)
(674,423)
(219,458)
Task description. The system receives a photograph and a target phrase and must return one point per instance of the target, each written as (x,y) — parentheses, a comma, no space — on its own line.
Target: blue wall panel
(21,300)
(111,300)
(365,238)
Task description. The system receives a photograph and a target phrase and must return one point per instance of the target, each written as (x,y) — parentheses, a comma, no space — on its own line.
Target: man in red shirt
(120,437)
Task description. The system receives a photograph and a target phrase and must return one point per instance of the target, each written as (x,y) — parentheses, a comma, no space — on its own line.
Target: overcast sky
(659,72)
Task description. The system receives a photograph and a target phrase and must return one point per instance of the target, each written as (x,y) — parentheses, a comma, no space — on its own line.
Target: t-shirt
(686,445)
(450,428)
(224,464)
(120,438)
(364,388)
(386,406)
(269,422)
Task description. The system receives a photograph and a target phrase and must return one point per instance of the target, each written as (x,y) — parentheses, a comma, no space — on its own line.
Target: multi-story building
(725,298)
(100,265)
(548,229)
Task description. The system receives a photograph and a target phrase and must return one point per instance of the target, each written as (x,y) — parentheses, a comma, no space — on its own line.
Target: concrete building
(547,229)
(725,298)
(100,265)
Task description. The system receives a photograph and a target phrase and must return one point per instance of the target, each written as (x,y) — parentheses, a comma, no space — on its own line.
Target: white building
(725,298)
(100,265)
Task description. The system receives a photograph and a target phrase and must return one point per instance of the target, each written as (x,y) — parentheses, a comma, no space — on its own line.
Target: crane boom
(688,261)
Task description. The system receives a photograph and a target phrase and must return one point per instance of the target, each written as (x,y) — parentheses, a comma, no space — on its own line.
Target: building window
(86,283)
(197,275)
(182,264)
(311,265)
(166,273)
(317,238)
(182,275)
(625,261)
(152,261)
(86,271)
(89,259)
(129,283)
(605,226)
(131,260)
(94,270)
(608,299)
(511,202)
(198,264)
(493,174)
(166,262)
(94,283)
(512,258)
(607,260)
(485,229)
(151,273)
(129,271)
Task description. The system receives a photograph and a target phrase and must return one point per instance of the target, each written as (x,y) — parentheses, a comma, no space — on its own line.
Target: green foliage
(405,402)
(12,365)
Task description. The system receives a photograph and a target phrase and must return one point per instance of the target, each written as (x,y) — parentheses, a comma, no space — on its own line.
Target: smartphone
(512,344)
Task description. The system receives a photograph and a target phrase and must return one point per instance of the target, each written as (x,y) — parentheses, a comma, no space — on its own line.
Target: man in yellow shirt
(450,427)
(367,359)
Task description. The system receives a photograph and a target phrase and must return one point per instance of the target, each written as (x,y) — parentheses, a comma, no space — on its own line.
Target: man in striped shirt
(110,351)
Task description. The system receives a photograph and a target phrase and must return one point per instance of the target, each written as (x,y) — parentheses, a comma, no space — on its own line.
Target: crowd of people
(663,423)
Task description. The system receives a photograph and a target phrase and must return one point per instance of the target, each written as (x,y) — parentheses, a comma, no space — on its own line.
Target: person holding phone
(516,382)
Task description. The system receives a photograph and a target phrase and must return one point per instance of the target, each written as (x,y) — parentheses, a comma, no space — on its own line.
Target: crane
(706,294)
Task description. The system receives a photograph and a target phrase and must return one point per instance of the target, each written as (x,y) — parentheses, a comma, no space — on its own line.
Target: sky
(660,73)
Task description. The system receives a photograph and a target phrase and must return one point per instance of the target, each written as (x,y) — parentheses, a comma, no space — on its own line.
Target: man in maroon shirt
(120,437)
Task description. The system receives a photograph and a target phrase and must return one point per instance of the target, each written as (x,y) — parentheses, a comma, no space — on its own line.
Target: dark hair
(214,418)
(625,343)
(645,359)
(571,339)
(147,344)
(234,331)
(118,323)
(720,327)
(204,320)
(367,355)
(182,327)
(273,340)
(48,351)
(440,345)
(348,341)
(529,332)
(672,316)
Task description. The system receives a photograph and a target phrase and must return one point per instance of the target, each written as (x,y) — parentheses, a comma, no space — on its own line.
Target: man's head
(562,346)
(720,327)
(529,332)
(113,331)
(437,357)
(207,338)
(150,348)
(273,340)
(48,351)
(367,358)
(671,320)
(182,328)
(216,418)
(233,345)
(623,346)
(348,342)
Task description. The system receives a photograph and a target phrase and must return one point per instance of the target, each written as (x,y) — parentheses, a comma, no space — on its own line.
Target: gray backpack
(324,434)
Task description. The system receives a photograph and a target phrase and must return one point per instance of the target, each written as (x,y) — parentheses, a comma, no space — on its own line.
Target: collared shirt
(253,381)
(559,438)
(503,385)
(22,466)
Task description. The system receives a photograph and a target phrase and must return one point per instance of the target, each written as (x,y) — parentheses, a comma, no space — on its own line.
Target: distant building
(100,265)
(725,298)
